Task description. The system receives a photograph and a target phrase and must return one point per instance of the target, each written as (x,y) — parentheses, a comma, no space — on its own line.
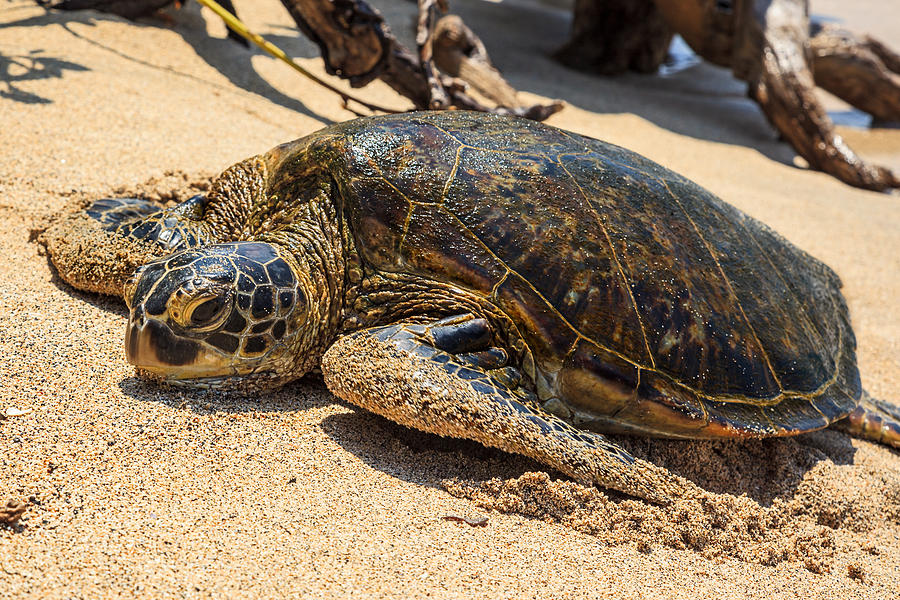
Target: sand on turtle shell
(133,490)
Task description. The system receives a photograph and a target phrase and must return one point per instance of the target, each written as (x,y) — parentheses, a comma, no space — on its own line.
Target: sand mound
(798,501)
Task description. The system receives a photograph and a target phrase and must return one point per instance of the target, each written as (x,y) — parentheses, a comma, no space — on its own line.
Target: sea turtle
(490,278)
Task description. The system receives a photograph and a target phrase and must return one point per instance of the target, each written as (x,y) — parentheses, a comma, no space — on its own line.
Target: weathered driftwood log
(771,45)
(858,69)
(458,52)
(611,37)
(358,45)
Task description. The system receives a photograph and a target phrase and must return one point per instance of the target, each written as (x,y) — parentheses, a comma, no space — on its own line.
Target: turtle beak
(150,345)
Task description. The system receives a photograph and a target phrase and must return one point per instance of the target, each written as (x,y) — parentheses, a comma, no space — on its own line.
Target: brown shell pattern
(656,306)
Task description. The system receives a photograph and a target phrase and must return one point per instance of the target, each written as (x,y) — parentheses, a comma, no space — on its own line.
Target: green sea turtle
(490,278)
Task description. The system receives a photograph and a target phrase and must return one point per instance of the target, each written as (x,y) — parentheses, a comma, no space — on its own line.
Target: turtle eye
(205,312)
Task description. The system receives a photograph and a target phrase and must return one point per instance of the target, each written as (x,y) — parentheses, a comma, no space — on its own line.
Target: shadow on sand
(18,68)
(700,101)
(227,57)
(764,470)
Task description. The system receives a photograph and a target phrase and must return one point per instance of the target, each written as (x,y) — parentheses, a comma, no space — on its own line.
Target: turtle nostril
(137,316)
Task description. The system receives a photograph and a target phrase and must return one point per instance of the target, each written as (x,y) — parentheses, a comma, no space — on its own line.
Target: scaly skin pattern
(586,286)
(260,308)
(417,385)
(99,248)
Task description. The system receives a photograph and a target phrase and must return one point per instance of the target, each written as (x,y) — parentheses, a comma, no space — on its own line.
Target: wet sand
(139,491)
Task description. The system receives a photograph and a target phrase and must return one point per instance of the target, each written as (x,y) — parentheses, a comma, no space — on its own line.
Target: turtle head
(225,316)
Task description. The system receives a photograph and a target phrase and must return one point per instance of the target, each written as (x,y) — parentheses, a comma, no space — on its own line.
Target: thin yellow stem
(238,27)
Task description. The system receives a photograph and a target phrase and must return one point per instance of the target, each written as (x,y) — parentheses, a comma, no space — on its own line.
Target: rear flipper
(407,373)
(874,420)
(99,248)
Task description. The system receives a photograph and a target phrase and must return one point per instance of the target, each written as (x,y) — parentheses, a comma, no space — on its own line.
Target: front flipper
(176,228)
(97,249)
(397,372)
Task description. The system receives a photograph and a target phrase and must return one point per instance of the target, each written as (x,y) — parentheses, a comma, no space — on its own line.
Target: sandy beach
(134,490)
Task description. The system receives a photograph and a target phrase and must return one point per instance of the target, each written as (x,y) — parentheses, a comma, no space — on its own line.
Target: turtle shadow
(303,394)
(235,61)
(418,457)
(764,470)
(298,396)
(232,60)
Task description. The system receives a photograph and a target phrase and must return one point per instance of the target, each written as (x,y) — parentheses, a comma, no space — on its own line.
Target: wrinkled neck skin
(304,215)
(234,198)
(315,242)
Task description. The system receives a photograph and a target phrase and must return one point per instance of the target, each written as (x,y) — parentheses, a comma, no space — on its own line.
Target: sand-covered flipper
(97,249)
(409,373)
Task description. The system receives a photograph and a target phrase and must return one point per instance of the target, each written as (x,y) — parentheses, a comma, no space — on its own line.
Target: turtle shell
(649,304)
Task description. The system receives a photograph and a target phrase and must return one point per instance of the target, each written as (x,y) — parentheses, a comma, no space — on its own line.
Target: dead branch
(357,45)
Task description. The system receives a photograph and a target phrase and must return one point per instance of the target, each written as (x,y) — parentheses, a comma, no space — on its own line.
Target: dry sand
(135,490)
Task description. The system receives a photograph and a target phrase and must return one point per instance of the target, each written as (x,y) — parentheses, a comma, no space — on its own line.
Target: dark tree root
(459,53)
(857,69)
(770,45)
(611,37)
(357,45)
(771,52)
(785,92)
(428,9)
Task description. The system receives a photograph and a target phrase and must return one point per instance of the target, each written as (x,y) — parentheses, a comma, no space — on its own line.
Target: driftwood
(858,69)
(612,37)
(772,46)
(358,45)
(459,53)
